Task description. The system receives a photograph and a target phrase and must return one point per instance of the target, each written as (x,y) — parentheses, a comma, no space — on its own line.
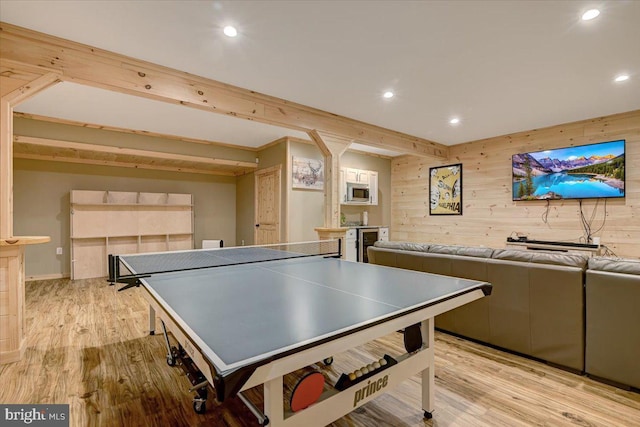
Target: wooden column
(12,330)
(12,327)
(332,147)
(6,168)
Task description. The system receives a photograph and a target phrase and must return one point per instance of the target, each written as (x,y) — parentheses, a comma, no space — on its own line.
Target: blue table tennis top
(246,315)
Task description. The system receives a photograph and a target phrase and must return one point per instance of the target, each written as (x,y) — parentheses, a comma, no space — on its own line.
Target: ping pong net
(129,269)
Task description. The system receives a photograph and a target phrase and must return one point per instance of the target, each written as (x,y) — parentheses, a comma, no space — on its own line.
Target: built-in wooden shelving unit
(117,222)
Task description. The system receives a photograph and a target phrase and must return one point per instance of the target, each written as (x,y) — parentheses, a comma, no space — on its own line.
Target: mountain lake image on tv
(582,172)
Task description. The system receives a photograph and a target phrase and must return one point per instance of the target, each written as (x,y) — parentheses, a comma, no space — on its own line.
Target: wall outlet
(58,251)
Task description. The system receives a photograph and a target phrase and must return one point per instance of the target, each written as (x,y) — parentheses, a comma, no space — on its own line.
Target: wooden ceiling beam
(142,159)
(129,131)
(114,163)
(91,66)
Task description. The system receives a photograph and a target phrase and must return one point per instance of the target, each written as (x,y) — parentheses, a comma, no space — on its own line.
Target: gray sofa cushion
(402,246)
(565,259)
(443,249)
(615,265)
(461,250)
(475,252)
(478,252)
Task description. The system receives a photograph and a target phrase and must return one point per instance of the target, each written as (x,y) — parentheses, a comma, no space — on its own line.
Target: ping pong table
(247,316)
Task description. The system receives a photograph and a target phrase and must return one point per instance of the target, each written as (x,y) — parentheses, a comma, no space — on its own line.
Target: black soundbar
(553,243)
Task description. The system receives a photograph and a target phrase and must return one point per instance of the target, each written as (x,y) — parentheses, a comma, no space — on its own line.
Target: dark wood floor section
(88,346)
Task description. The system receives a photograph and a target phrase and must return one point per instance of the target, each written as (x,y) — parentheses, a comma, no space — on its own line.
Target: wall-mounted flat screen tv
(582,172)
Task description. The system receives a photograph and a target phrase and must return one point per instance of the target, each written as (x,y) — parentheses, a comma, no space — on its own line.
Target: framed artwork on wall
(445,190)
(307,173)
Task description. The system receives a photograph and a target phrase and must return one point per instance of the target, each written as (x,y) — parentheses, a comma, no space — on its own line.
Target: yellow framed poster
(445,190)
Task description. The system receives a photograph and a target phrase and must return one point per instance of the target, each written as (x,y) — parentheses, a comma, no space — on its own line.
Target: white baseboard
(47,277)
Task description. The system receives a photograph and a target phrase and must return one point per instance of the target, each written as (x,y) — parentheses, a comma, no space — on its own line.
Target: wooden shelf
(24,240)
(26,147)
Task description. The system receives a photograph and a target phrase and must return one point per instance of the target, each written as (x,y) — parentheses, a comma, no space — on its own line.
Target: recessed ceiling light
(454,121)
(590,14)
(230,31)
(387,94)
(622,78)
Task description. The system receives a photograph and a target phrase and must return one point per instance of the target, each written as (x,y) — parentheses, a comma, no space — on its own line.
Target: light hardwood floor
(88,347)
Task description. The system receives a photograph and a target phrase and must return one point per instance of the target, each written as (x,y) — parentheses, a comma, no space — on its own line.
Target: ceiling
(500,66)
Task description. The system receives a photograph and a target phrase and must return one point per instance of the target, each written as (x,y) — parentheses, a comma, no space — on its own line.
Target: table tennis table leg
(152,321)
(428,375)
(171,360)
(273,401)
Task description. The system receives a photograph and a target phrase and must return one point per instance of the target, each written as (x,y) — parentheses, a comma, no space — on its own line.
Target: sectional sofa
(539,306)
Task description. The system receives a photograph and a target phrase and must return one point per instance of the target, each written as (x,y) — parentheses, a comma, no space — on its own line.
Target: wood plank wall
(489,214)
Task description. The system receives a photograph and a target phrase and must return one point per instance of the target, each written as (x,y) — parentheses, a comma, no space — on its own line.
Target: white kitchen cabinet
(373,188)
(361,177)
(350,245)
(356,176)
(383,234)
(343,186)
(350,174)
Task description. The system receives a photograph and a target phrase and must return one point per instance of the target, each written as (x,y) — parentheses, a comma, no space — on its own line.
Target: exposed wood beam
(142,159)
(99,68)
(129,131)
(30,88)
(53,158)
(38,117)
(13,76)
(129,151)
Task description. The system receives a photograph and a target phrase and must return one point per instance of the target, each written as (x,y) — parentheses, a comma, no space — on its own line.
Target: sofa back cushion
(471,251)
(556,310)
(402,246)
(509,305)
(615,265)
(539,257)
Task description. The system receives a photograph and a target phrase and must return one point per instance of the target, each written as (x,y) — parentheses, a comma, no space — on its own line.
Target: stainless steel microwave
(357,192)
